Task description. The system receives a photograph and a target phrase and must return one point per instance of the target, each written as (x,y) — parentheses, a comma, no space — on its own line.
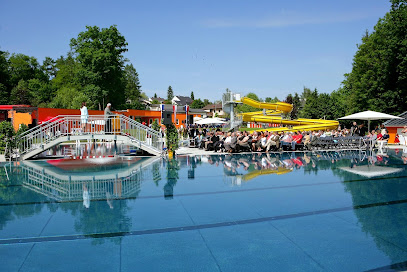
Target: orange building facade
(32,116)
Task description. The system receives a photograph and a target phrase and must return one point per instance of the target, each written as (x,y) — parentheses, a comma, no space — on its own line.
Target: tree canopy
(99,53)
(170,93)
(93,71)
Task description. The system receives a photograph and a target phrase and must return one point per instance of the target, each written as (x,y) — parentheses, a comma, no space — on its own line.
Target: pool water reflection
(330,211)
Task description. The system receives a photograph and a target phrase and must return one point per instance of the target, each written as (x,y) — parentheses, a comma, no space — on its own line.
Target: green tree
(23,67)
(296,102)
(310,109)
(133,88)
(49,67)
(69,98)
(170,94)
(67,70)
(41,92)
(197,104)
(4,95)
(192,96)
(6,134)
(378,80)
(172,137)
(5,85)
(271,100)
(21,94)
(100,55)
(247,108)
(338,102)
(206,102)
(155,125)
(325,107)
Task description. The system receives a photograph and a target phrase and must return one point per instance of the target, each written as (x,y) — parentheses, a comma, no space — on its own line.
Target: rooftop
(397,122)
(213,106)
(183,100)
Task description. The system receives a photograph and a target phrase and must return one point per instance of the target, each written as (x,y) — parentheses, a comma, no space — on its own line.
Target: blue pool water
(326,211)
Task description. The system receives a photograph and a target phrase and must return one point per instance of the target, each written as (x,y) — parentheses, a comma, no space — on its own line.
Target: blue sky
(271,48)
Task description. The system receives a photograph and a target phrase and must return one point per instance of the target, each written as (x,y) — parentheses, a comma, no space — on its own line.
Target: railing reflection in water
(123,182)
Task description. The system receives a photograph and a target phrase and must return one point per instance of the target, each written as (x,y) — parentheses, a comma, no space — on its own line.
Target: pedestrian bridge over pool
(66,128)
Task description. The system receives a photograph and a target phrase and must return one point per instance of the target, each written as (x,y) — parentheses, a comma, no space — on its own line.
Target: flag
(174,108)
(186,114)
(162,111)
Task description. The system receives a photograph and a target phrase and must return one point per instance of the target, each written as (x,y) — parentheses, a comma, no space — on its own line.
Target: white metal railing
(63,189)
(230,97)
(71,125)
(231,125)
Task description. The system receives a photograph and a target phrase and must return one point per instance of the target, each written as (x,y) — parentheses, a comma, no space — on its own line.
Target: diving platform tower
(229,101)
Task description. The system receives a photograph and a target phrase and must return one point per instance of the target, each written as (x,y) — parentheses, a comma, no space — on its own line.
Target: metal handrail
(66,125)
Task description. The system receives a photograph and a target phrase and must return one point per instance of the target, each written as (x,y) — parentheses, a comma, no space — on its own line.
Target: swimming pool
(328,211)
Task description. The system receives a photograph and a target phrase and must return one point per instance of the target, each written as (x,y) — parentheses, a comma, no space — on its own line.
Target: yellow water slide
(256,173)
(271,112)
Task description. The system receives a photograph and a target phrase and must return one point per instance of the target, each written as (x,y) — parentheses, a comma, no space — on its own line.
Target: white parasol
(208,121)
(370,171)
(369,115)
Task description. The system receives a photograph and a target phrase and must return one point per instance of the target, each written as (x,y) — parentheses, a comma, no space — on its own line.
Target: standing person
(108,121)
(85,196)
(362,130)
(354,130)
(84,116)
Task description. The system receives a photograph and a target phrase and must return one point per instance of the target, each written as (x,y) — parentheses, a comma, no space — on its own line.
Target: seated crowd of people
(265,141)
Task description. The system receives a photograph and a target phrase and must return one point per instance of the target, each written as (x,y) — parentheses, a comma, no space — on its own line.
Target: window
(150,121)
(177,122)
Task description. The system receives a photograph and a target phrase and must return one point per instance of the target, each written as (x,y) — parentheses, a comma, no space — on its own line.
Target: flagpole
(161,109)
(186,116)
(174,107)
